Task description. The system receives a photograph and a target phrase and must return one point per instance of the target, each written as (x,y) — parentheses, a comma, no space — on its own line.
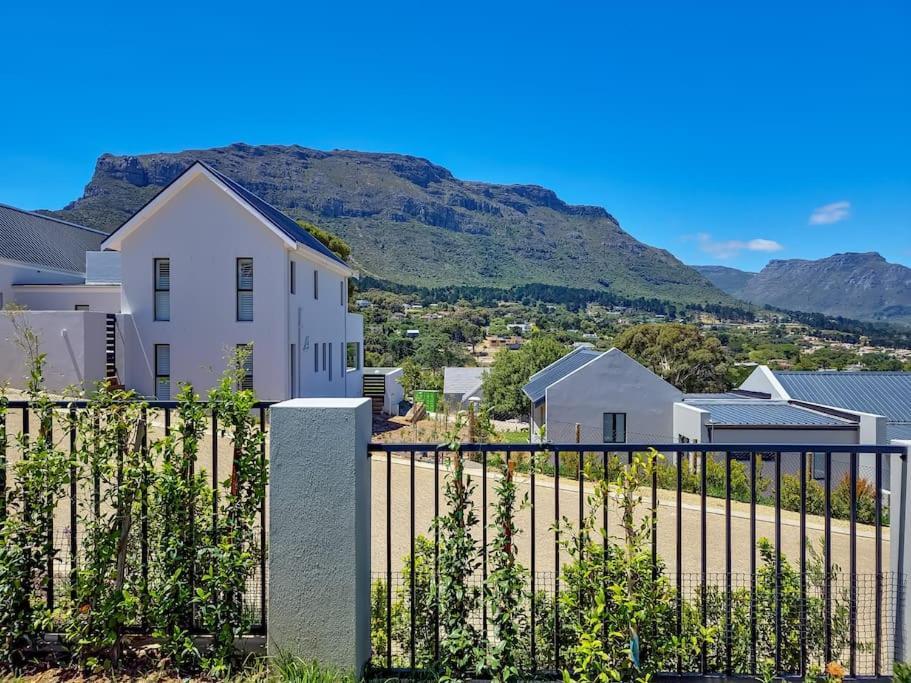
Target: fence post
(319,531)
(900,546)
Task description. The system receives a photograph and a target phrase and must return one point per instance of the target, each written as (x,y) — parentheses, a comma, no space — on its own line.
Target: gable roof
(45,242)
(765,413)
(880,393)
(536,388)
(462,380)
(283,224)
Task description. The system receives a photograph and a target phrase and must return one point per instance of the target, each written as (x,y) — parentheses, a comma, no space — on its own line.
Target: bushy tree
(510,371)
(680,354)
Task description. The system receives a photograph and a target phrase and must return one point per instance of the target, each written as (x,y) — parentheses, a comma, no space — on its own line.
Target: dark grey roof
(45,242)
(284,223)
(761,412)
(880,393)
(899,430)
(572,361)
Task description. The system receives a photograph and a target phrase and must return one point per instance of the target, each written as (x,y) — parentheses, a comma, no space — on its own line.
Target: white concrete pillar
(319,531)
(900,547)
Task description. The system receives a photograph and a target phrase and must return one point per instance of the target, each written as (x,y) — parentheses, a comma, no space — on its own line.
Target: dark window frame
(316,284)
(293,276)
(156,289)
(240,290)
(159,377)
(614,430)
(244,382)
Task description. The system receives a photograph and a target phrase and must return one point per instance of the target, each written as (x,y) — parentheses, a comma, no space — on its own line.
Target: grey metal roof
(723,394)
(881,393)
(380,370)
(462,380)
(899,430)
(762,412)
(45,242)
(284,223)
(536,388)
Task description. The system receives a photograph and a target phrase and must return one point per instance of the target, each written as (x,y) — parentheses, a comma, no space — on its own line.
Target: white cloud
(830,213)
(725,249)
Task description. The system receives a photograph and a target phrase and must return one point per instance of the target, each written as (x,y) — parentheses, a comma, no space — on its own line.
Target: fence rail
(64,528)
(831,614)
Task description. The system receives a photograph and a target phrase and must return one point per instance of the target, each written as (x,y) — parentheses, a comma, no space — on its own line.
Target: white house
(207,266)
(462,386)
(609,395)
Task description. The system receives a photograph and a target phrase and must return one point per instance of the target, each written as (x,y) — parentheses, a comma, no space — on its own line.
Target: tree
(880,361)
(435,350)
(511,370)
(680,354)
(335,243)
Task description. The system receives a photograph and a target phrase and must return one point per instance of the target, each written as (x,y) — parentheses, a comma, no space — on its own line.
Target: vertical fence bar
(412,609)
(556,559)
(533,462)
(581,511)
(144,514)
(46,434)
(679,527)
(214,478)
(852,562)
(74,513)
(803,565)
(263,571)
(167,421)
(778,563)
(654,522)
(436,554)
(827,558)
(755,462)
(388,559)
(703,552)
(3,460)
(878,511)
(484,543)
(728,593)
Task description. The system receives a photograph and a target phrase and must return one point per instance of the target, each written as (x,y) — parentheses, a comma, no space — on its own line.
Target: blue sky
(725,132)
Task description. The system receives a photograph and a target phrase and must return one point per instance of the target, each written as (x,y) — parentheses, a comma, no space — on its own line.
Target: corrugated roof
(723,394)
(45,242)
(881,393)
(462,380)
(899,430)
(284,223)
(572,361)
(761,412)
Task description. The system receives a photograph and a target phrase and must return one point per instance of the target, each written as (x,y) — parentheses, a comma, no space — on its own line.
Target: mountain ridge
(859,285)
(411,221)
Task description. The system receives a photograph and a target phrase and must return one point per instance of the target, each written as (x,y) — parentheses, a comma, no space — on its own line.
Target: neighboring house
(462,386)
(741,419)
(611,397)
(383,386)
(207,266)
(40,250)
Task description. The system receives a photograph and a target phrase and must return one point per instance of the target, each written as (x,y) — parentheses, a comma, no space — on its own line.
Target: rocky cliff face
(410,221)
(862,286)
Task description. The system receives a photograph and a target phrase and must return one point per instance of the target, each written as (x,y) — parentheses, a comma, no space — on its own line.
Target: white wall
(99,298)
(612,383)
(203,231)
(763,380)
(17,273)
(72,341)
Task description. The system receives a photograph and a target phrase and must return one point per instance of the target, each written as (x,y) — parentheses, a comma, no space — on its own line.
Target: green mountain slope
(410,221)
(730,280)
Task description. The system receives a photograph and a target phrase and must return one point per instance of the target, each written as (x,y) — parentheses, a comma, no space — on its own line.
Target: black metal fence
(64,530)
(842,608)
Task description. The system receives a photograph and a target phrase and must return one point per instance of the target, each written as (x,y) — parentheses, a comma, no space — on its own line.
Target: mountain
(412,222)
(730,280)
(861,286)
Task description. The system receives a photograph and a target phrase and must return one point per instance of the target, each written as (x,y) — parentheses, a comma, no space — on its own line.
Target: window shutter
(162,273)
(245,273)
(163,305)
(245,306)
(163,360)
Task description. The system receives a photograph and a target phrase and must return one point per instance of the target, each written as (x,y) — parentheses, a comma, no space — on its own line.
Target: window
(330,362)
(247,381)
(342,358)
(293,371)
(293,278)
(316,284)
(341,292)
(81,307)
(163,372)
(162,289)
(614,427)
(316,358)
(245,289)
(324,356)
(819,466)
(354,355)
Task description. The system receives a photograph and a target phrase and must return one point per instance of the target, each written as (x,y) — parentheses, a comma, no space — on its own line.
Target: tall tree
(511,370)
(680,354)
